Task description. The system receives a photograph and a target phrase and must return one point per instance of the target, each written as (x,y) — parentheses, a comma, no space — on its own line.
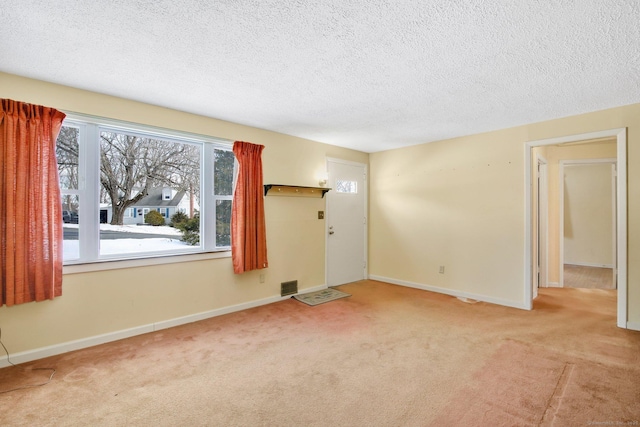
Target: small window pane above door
(346,186)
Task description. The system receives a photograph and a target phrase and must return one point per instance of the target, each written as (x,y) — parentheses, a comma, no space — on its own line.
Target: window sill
(142,262)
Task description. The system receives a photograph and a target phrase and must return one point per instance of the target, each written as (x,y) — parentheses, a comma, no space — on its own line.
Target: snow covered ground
(121,246)
(145,229)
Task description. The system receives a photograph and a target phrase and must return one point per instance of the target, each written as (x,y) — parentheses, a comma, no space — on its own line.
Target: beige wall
(457,203)
(588,214)
(104,302)
(460,203)
(554,154)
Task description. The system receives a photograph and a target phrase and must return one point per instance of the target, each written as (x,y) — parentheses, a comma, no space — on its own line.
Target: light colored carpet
(322,296)
(579,276)
(386,356)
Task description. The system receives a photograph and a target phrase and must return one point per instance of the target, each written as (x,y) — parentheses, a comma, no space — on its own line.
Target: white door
(346,222)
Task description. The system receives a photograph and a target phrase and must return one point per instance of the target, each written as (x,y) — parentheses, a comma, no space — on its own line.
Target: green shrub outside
(190,229)
(177,218)
(154,218)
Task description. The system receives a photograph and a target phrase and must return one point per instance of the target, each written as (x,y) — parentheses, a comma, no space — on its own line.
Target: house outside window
(113,173)
(167,193)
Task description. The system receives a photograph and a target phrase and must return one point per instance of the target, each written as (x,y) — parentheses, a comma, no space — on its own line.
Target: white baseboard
(634,326)
(553,285)
(452,292)
(42,352)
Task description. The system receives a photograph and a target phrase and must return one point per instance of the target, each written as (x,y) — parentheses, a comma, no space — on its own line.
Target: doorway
(346,222)
(588,223)
(531,236)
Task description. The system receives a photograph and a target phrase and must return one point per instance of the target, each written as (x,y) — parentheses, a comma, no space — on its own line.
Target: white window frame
(89,187)
(214,198)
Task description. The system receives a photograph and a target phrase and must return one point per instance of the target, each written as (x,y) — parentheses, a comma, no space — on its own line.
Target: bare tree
(131,165)
(224,164)
(67,149)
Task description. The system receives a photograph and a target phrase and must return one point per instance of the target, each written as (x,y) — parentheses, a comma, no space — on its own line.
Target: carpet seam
(558,393)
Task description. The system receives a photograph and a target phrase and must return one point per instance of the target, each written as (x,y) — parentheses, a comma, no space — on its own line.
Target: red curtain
(248,232)
(30,203)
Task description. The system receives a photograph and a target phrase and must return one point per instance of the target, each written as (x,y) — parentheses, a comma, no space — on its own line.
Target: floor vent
(289,288)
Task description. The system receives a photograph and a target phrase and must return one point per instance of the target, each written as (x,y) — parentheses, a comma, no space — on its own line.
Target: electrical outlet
(442,269)
(320,214)
(262,278)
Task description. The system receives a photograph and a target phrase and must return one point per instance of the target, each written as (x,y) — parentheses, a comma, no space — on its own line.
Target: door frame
(365,213)
(561,166)
(542,228)
(621,213)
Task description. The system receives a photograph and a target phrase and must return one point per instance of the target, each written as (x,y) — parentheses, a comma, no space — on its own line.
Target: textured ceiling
(366,74)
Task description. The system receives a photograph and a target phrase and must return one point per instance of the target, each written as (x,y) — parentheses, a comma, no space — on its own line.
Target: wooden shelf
(294,190)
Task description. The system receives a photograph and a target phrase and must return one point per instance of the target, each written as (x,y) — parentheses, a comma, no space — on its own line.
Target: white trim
(89,223)
(156,131)
(42,352)
(89,186)
(542,232)
(635,326)
(553,285)
(528,229)
(576,138)
(574,162)
(561,223)
(142,262)
(52,350)
(614,223)
(345,162)
(621,196)
(452,292)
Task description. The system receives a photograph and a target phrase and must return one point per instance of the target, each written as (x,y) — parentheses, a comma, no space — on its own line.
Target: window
(113,174)
(167,193)
(223,194)
(343,186)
